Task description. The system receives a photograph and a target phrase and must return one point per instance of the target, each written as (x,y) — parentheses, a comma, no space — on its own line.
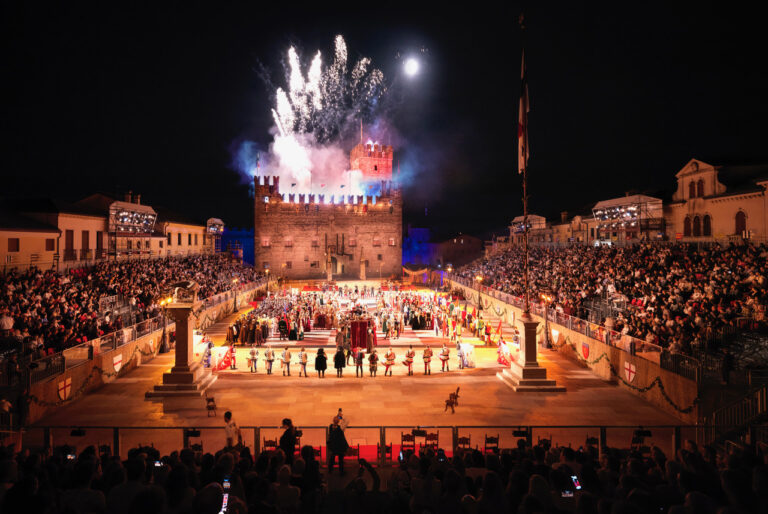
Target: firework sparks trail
(313,114)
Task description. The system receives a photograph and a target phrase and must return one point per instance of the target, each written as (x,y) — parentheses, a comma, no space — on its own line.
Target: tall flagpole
(524,158)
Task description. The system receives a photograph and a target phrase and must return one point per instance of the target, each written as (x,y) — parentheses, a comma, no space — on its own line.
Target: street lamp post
(164,303)
(234,288)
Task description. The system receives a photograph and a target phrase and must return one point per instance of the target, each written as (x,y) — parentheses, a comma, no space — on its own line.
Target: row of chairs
(407,444)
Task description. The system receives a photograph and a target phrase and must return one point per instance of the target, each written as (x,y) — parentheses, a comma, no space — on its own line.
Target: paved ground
(260,400)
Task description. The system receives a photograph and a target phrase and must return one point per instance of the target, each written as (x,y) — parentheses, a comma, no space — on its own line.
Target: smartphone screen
(224,503)
(576,482)
(158,464)
(71,456)
(226,483)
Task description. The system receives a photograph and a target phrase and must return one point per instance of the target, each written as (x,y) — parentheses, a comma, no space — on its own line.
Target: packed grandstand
(676,295)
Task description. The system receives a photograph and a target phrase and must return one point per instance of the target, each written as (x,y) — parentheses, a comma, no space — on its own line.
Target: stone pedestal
(529,376)
(186,378)
(362,269)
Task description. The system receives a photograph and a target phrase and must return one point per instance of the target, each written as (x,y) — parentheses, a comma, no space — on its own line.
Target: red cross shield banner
(630,370)
(585,350)
(152,345)
(65,387)
(117,362)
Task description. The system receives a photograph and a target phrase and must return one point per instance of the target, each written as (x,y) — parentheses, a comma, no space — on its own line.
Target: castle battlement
(322,235)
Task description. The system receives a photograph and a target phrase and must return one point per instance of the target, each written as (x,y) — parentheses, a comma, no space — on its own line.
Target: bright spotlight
(411,67)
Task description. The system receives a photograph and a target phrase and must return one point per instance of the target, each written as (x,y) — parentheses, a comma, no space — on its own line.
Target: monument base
(528,379)
(191,381)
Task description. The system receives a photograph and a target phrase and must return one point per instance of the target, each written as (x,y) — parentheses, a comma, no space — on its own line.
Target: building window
(352,241)
(687,227)
(288,265)
(85,240)
(289,243)
(314,264)
(700,188)
(169,239)
(130,244)
(178,239)
(161,244)
(379,257)
(696,226)
(265,243)
(13,244)
(315,243)
(50,245)
(195,239)
(391,241)
(707,225)
(376,242)
(692,190)
(741,222)
(189,239)
(265,265)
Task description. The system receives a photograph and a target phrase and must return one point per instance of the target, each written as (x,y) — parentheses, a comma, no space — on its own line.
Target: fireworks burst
(326,100)
(312,115)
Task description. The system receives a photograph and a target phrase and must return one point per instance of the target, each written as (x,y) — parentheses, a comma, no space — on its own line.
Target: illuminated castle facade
(306,236)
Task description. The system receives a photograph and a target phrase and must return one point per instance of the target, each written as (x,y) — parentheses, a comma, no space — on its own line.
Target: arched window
(687,227)
(696,226)
(707,228)
(741,222)
(700,188)
(692,190)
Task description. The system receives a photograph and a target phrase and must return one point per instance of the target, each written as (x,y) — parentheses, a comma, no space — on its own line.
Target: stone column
(184,342)
(530,350)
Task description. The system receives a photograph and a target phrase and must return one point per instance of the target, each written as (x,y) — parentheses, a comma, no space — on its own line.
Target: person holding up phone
(337,445)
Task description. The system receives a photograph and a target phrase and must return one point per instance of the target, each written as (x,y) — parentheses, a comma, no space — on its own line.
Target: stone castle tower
(304,236)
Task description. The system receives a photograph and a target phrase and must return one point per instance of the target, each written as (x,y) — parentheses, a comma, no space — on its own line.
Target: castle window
(375,168)
(391,241)
(50,244)
(315,243)
(178,239)
(169,239)
(692,190)
(700,188)
(195,239)
(265,243)
(376,242)
(289,243)
(314,264)
(696,226)
(707,228)
(379,257)
(741,222)
(189,239)
(13,244)
(306,258)
(687,227)
(352,241)
(265,265)
(161,244)
(288,265)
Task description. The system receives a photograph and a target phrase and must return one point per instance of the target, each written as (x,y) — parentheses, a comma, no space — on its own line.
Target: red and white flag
(523,152)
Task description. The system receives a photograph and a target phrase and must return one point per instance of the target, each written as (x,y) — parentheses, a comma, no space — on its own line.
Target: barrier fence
(382,444)
(33,371)
(678,363)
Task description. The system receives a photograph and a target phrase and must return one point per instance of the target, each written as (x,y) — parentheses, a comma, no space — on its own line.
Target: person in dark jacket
(321,363)
(337,445)
(339,361)
(288,440)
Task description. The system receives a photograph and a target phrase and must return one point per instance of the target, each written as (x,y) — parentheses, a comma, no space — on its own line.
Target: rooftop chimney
(564,216)
(128,196)
(137,199)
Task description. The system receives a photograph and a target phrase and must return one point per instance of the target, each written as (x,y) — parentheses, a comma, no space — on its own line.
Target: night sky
(112,98)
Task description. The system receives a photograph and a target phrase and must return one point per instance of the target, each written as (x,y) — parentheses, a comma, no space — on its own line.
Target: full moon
(411,67)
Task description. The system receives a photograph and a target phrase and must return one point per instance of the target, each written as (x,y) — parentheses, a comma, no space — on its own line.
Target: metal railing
(382,442)
(739,414)
(678,363)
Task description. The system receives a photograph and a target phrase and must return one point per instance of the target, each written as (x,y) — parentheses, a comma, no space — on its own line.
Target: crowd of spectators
(44,311)
(676,295)
(524,480)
